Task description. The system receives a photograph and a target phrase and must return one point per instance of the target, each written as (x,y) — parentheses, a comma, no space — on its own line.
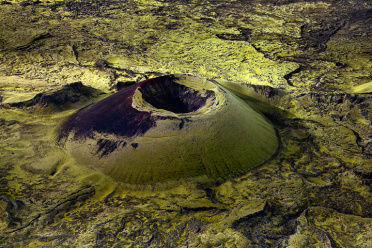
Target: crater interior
(174,97)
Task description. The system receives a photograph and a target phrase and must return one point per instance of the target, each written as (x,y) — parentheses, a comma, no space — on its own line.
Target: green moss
(322,132)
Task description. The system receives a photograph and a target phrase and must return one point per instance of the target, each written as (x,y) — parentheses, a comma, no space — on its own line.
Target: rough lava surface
(305,65)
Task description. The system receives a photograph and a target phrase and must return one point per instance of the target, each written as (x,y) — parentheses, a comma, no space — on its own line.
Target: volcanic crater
(164,93)
(178,126)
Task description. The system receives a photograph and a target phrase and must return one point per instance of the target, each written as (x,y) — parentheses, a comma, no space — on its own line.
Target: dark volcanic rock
(116,115)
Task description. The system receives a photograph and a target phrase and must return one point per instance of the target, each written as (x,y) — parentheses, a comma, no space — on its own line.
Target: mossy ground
(315,193)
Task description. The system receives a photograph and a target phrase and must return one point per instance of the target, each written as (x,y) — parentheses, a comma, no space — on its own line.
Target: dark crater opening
(169,95)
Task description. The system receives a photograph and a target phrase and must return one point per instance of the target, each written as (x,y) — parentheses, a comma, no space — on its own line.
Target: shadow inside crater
(169,95)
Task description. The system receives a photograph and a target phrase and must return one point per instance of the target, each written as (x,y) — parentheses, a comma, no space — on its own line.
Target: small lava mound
(70,93)
(169,128)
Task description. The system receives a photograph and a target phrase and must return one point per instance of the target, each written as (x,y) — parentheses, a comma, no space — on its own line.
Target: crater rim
(208,95)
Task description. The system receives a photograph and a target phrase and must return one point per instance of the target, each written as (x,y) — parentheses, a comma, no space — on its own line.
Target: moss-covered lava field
(301,69)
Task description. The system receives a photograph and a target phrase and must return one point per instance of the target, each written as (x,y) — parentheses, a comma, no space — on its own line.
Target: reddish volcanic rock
(116,115)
